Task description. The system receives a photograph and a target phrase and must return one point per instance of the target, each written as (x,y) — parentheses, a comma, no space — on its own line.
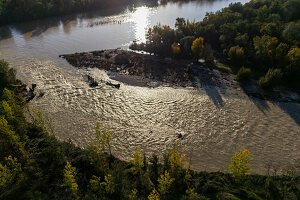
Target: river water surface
(215,122)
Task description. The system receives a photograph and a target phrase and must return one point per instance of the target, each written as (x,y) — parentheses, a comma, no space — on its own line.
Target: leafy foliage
(154,195)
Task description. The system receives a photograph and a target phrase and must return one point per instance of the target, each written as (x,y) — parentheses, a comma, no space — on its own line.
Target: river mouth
(215,122)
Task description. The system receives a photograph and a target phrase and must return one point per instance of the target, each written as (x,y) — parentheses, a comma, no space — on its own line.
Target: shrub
(244,74)
(224,68)
(271,79)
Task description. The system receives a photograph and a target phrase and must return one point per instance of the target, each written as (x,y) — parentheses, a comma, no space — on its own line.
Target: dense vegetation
(34,165)
(261,35)
(21,10)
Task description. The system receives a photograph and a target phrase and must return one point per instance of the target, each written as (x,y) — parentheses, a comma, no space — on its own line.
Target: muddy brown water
(215,122)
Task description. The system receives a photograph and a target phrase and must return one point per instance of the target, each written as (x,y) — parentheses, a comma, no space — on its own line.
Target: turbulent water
(215,122)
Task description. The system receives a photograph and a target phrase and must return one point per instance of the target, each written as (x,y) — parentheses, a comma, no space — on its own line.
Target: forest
(258,40)
(34,165)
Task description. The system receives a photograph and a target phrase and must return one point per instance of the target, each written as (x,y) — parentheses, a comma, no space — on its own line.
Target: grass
(225,68)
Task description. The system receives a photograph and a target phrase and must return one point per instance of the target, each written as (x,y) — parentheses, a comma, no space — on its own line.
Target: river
(215,122)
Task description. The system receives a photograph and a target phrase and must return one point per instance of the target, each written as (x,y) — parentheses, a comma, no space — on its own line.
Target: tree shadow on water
(208,81)
(257,99)
(214,95)
(292,109)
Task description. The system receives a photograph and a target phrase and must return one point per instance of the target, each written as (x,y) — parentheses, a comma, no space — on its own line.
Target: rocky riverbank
(148,70)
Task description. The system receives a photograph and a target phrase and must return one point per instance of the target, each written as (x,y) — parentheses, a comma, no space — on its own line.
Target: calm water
(216,122)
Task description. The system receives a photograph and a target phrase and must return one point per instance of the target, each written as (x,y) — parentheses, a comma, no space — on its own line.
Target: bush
(244,74)
(271,79)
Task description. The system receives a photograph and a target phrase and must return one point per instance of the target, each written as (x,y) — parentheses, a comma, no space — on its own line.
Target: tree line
(23,10)
(34,165)
(260,36)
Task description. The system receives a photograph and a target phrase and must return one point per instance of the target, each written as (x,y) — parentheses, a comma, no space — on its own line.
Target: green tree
(7,74)
(108,184)
(69,181)
(10,173)
(239,166)
(176,160)
(265,50)
(133,195)
(164,183)
(272,78)
(197,47)
(236,56)
(185,45)
(103,140)
(102,188)
(294,56)
(138,161)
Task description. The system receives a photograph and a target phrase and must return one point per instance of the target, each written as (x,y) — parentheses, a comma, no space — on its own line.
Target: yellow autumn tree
(175,49)
(239,166)
(197,47)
